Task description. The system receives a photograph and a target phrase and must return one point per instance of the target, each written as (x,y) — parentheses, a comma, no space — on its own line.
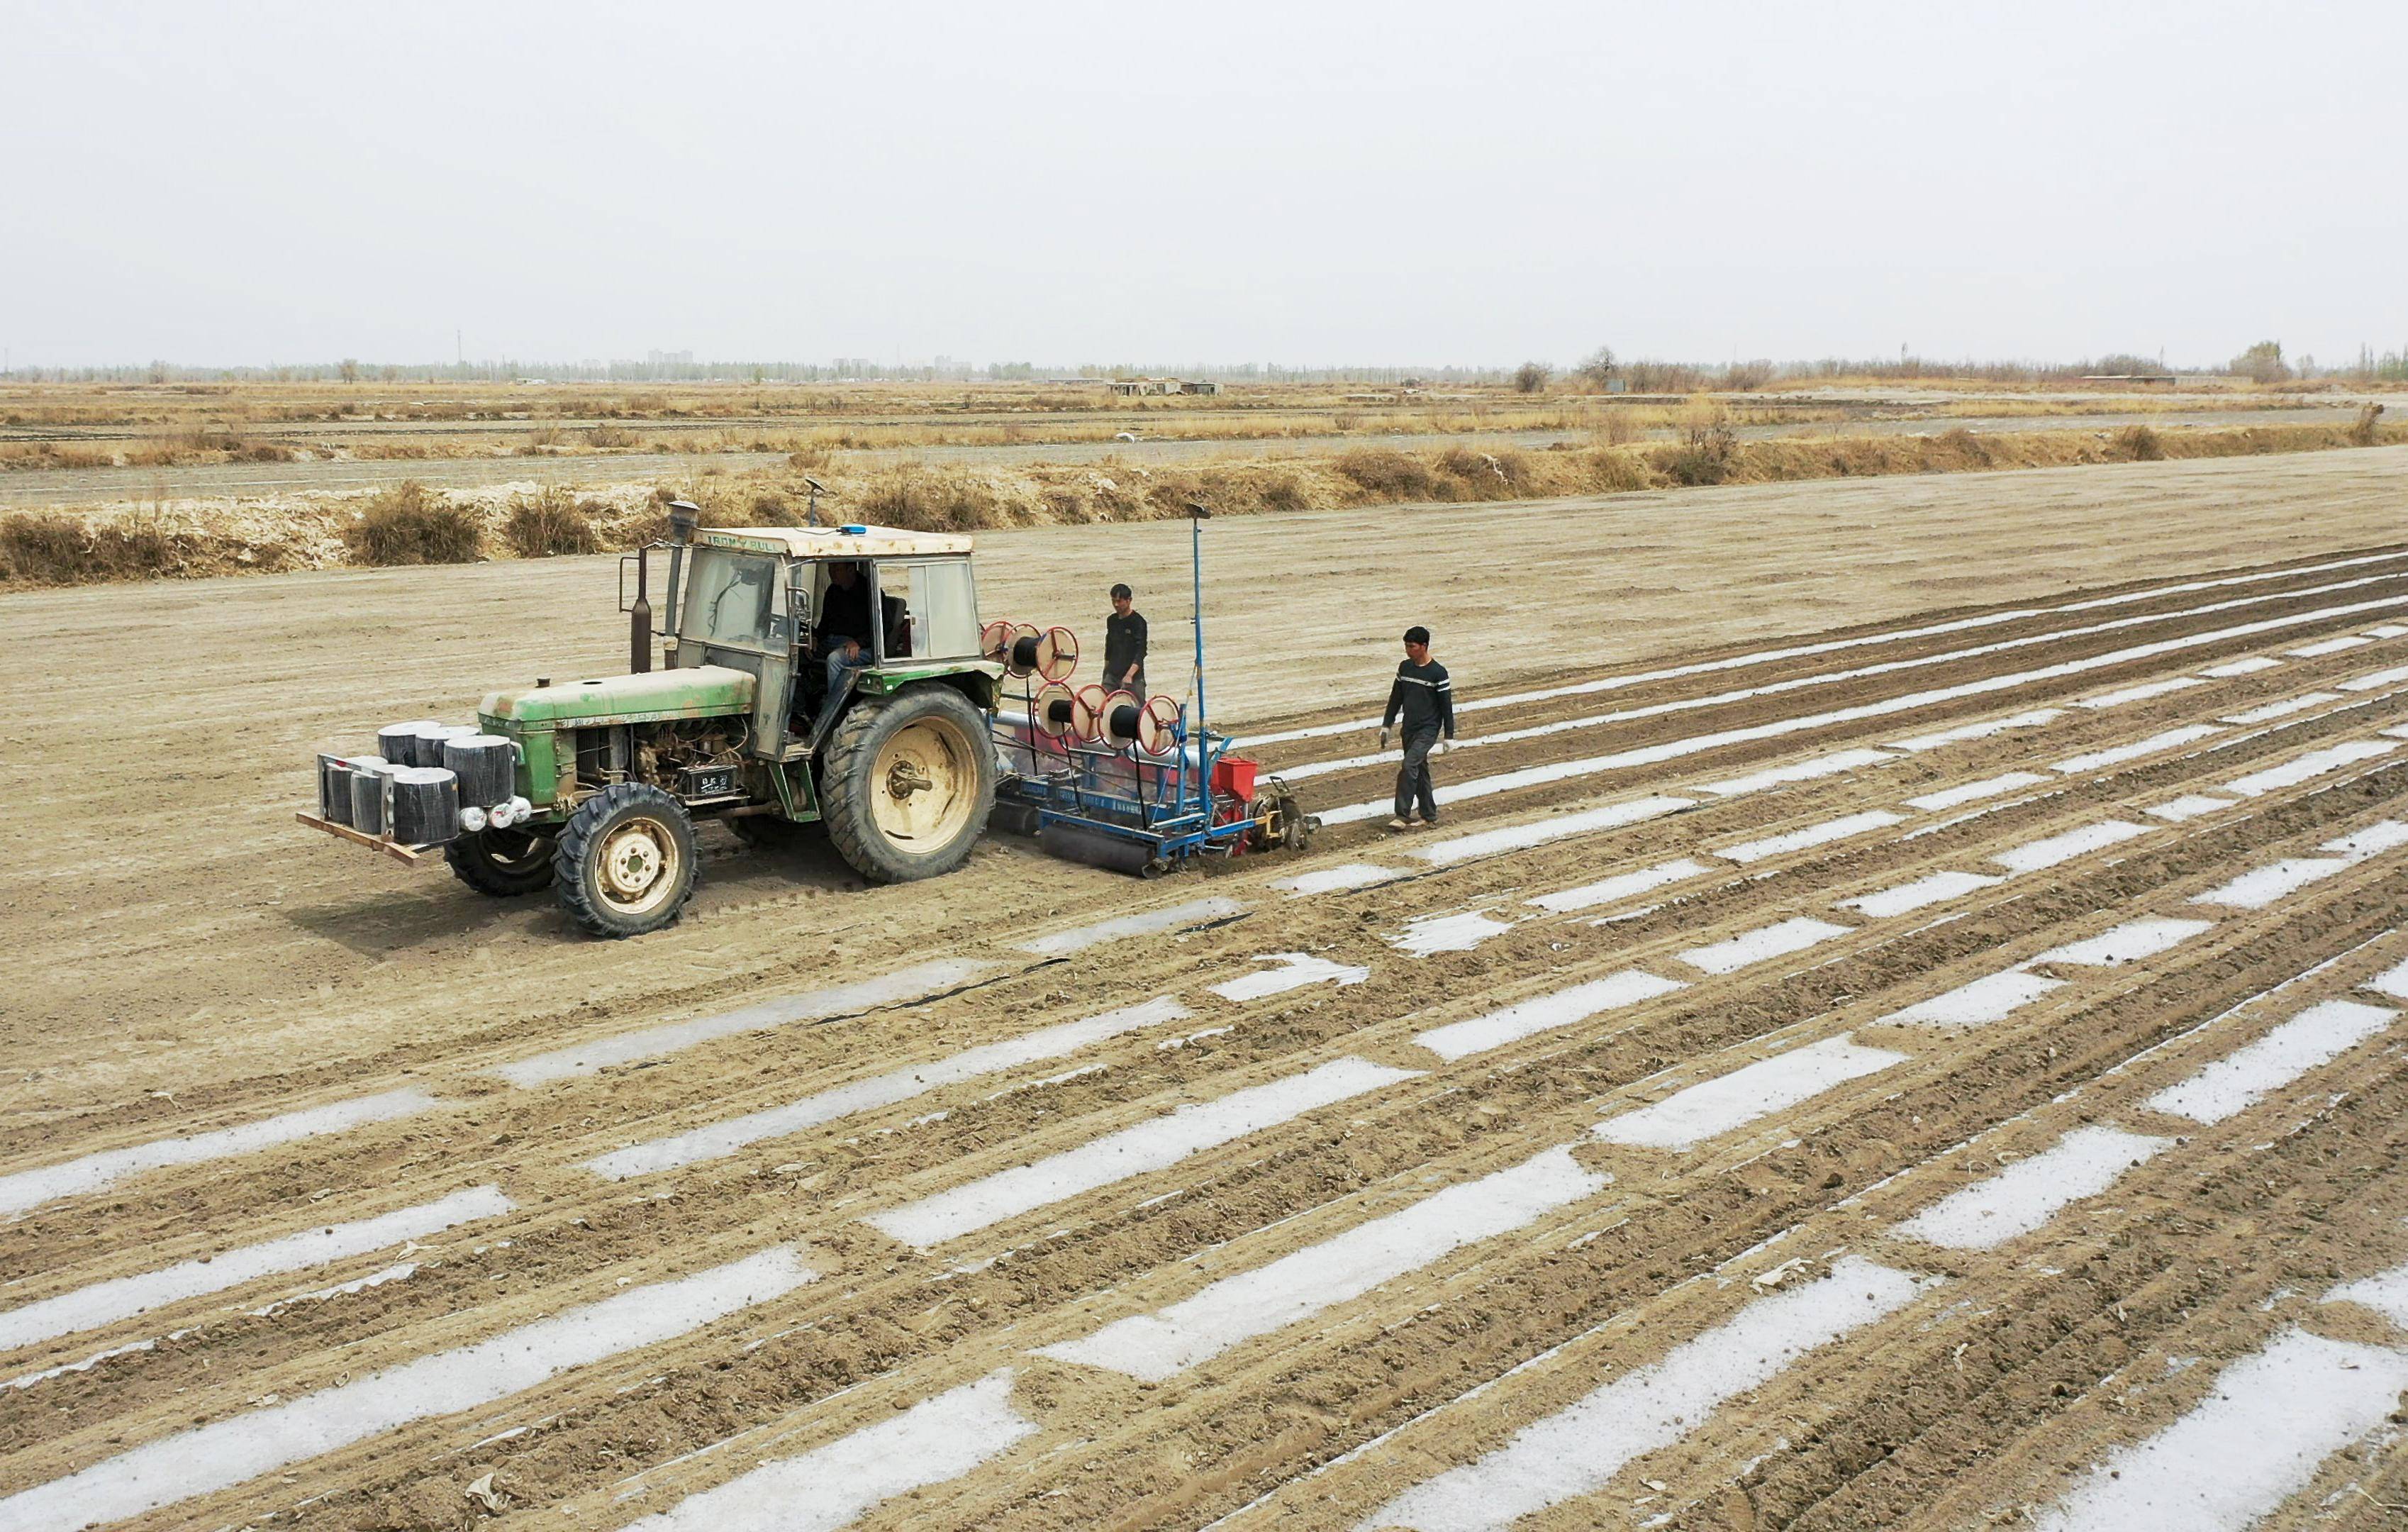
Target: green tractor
(835,675)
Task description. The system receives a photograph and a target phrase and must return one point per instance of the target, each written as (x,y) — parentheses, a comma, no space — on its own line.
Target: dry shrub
(1617,428)
(2139,445)
(609,436)
(1705,458)
(60,550)
(549,524)
(1390,475)
(770,508)
(1957,449)
(1852,458)
(2362,432)
(404,525)
(929,502)
(1488,475)
(1283,493)
(1615,470)
(1065,504)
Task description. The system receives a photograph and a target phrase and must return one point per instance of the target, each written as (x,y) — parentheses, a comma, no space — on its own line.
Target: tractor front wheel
(625,861)
(907,783)
(503,863)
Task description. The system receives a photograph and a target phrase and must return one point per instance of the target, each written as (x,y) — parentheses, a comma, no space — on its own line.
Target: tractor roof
(835,541)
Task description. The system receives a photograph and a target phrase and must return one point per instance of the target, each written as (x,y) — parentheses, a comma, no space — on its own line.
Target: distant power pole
(459,351)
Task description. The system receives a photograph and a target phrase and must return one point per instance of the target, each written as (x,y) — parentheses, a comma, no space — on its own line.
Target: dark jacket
(844,613)
(1123,645)
(1424,695)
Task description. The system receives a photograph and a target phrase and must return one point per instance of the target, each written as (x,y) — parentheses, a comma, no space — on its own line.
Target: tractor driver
(843,631)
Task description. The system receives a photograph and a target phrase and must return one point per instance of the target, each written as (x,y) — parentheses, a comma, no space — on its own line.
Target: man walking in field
(1426,697)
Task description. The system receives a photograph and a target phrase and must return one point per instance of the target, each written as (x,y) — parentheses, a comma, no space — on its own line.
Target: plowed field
(1940,1071)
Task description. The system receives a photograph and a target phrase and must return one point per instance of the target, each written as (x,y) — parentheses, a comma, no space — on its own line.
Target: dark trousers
(1413,784)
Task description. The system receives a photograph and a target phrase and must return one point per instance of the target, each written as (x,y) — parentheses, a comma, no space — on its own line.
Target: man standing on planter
(1426,697)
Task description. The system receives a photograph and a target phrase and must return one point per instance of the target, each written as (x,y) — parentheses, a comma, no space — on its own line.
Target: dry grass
(406,525)
(550,523)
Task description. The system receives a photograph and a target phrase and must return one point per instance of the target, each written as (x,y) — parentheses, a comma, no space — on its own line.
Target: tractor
(833,674)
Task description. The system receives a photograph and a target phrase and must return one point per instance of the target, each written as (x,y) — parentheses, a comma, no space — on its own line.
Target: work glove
(1383,739)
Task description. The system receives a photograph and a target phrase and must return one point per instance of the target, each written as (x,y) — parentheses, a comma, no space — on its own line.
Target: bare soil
(184,957)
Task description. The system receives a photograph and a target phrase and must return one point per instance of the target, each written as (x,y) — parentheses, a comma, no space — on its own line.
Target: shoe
(1431,820)
(1400,824)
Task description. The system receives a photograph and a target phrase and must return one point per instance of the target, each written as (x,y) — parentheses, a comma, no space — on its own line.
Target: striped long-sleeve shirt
(1424,695)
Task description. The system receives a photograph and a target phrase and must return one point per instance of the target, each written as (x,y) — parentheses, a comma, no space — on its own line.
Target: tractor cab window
(731,598)
(931,609)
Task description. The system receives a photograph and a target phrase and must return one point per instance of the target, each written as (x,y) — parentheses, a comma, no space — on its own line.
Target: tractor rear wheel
(502,863)
(907,783)
(625,861)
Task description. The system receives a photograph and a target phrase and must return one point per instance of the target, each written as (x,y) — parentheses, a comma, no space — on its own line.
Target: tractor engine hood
(699,692)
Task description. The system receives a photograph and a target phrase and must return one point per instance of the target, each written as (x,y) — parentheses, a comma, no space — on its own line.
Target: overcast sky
(1402,182)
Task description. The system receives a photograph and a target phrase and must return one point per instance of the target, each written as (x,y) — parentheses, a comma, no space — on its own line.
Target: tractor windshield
(729,598)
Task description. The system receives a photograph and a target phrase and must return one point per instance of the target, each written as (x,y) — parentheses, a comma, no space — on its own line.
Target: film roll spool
(1090,716)
(425,804)
(398,743)
(994,640)
(369,775)
(1058,656)
(1022,651)
(1119,719)
(1157,725)
(486,765)
(1056,710)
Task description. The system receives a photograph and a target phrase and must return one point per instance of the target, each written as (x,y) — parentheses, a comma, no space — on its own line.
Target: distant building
(1199,387)
(1138,387)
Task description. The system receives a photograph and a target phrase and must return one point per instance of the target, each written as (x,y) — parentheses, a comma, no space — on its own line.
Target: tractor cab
(889,607)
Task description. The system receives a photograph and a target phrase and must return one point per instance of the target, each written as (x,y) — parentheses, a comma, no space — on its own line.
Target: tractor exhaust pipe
(639,618)
(685,516)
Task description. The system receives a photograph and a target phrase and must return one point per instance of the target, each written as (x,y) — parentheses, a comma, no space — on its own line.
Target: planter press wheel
(1088,721)
(995,640)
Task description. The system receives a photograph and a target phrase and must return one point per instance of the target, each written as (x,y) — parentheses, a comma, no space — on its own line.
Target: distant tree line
(1601,371)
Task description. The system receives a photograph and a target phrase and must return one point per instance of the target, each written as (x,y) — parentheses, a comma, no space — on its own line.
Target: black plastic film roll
(429,748)
(398,743)
(425,805)
(486,765)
